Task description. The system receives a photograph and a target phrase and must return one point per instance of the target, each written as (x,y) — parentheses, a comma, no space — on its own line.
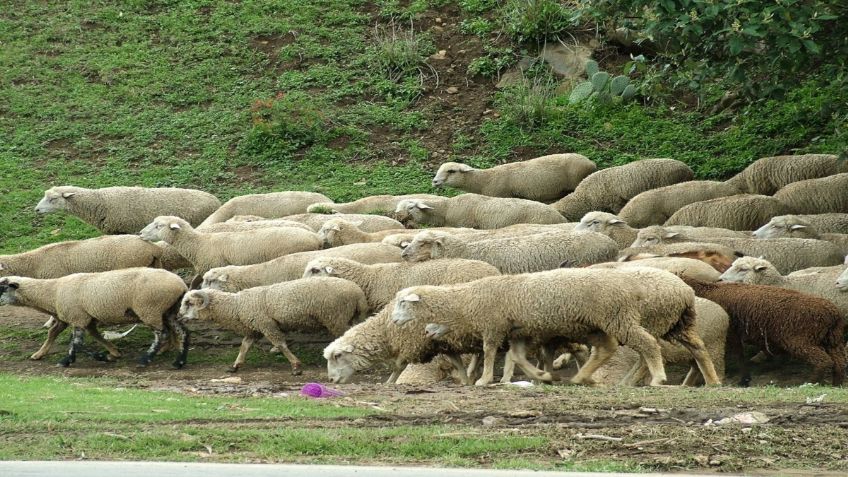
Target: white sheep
(543,179)
(788,254)
(659,234)
(531,253)
(382,281)
(403,239)
(100,254)
(271,206)
(842,281)
(769,174)
(795,226)
(627,307)
(735,212)
(477,211)
(125,210)
(819,281)
(290,267)
(314,304)
(680,266)
(375,204)
(84,300)
(610,225)
(439,369)
(717,256)
(816,196)
(366,222)
(832,223)
(209,250)
(608,190)
(337,232)
(655,206)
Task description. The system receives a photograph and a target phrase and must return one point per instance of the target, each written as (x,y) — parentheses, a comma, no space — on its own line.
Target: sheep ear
(205,299)
(346,349)
(464,168)
(616,221)
(329,270)
(68,195)
(223,278)
(797,227)
(175,226)
(422,206)
(759,268)
(412,298)
(336,228)
(671,234)
(406,243)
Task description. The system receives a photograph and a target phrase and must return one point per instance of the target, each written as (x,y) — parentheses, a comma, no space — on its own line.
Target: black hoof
(64,363)
(143,362)
(232,369)
(296,372)
(101,356)
(178,364)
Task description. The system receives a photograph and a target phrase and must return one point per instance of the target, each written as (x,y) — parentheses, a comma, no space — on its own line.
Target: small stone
(441,55)
(452,90)
(490,421)
(438,20)
(437,28)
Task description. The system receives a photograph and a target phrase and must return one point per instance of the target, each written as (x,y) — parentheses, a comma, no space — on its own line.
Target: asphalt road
(169,469)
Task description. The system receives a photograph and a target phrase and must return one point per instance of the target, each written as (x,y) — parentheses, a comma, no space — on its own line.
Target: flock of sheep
(531,261)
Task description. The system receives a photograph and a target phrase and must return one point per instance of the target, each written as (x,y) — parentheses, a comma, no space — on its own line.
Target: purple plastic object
(317,390)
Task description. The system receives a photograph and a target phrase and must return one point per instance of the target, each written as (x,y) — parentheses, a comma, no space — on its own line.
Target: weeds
(399,53)
(529,104)
(536,21)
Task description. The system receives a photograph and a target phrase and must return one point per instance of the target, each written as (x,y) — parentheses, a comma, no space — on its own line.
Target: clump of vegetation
(288,121)
(602,87)
(530,103)
(496,60)
(398,53)
(536,20)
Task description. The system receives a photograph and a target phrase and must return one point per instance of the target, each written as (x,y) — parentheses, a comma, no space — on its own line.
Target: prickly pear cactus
(581,92)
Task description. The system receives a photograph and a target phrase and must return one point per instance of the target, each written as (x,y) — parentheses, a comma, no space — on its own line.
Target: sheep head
(425,246)
(214,279)
(600,222)
(451,174)
(318,268)
(842,281)
(785,226)
(654,235)
(193,302)
(412,209)
(342,361)
(435,331)
(8,289)
(56,199)
(748,270)
(164,228)
(331,233)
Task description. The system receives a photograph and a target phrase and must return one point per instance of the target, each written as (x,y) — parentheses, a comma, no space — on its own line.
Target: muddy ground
(656,428)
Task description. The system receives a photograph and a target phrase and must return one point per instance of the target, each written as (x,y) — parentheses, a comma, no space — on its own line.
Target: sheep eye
(744,269)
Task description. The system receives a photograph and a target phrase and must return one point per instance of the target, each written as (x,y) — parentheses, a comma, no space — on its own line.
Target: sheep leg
(635,374)
(457,363)
(736,348)
(693,376)
(692,342)
(55,330)
(180,331)
(246,343)
(815,355)
(112,350)
(278,339)
(837,355)
(472,366)
(490,353)
(509,369)
(77,337)
(518,352)
(153,350)
(603,347)
(546,356)
(646,345)
(196,281)
(395,374)
(562,360)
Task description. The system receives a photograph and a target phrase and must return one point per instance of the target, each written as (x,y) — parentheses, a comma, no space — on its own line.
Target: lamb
(84,300)
(816,196)
(337,232)
(655,206)
(758,271)
(774,319)
(300,305)
(272,206)
(717,256)
(610,225)
(711,324)
(125,210)
(477,211)
(531,253)
(209,250)
(796,226)
(375,204)
(551,305)
(788,255)
(769,174)
(290,267)
(423,374)
(98,254)
(736,212)
(382,281)
(679,266)
(608,190)
(365,222)
(374,341)
(542,179)
(660,234)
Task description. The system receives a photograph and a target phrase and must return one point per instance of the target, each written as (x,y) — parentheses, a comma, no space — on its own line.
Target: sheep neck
(38,294)
(21,264)
(475,180)
(88,205)
(223,305)
(186,241)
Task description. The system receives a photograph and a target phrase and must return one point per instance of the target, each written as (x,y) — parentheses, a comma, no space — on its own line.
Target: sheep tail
(834,343)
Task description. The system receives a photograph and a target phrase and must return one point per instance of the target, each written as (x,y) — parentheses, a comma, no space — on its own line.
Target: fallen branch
(599,437)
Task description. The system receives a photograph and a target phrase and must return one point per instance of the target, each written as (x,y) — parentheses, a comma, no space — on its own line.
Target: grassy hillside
(336,96)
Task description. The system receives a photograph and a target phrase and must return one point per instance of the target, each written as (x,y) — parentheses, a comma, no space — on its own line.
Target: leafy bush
(495,61)
(287,122)
(759,44)
(536,20)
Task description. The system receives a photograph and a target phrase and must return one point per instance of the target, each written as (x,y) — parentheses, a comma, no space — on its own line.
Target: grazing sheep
(403,239)
(382,281)
(98,254)
(795,226)
(608,190)
(717,256)
(610,225)
(300,305)
(816,196)
(832,223)
(736,212)
(789,254)
(271,206)
(337,232)
(424,374)
(375,204)
(819,281)
(711,323)
(125,210)
(236,226)
(477,211)
(532,253)
(374,341)
(543,179)
(84,300)
(679,266)
(775,319)
(769,174)
(655,206)
(660,234)
(628,308)
(365,222)
(209,250)
(290,267)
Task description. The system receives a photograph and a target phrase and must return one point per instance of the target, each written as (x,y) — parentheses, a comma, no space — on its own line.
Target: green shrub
(529,104)
(287,122)
(398,53)
(536,20)
(495,61)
